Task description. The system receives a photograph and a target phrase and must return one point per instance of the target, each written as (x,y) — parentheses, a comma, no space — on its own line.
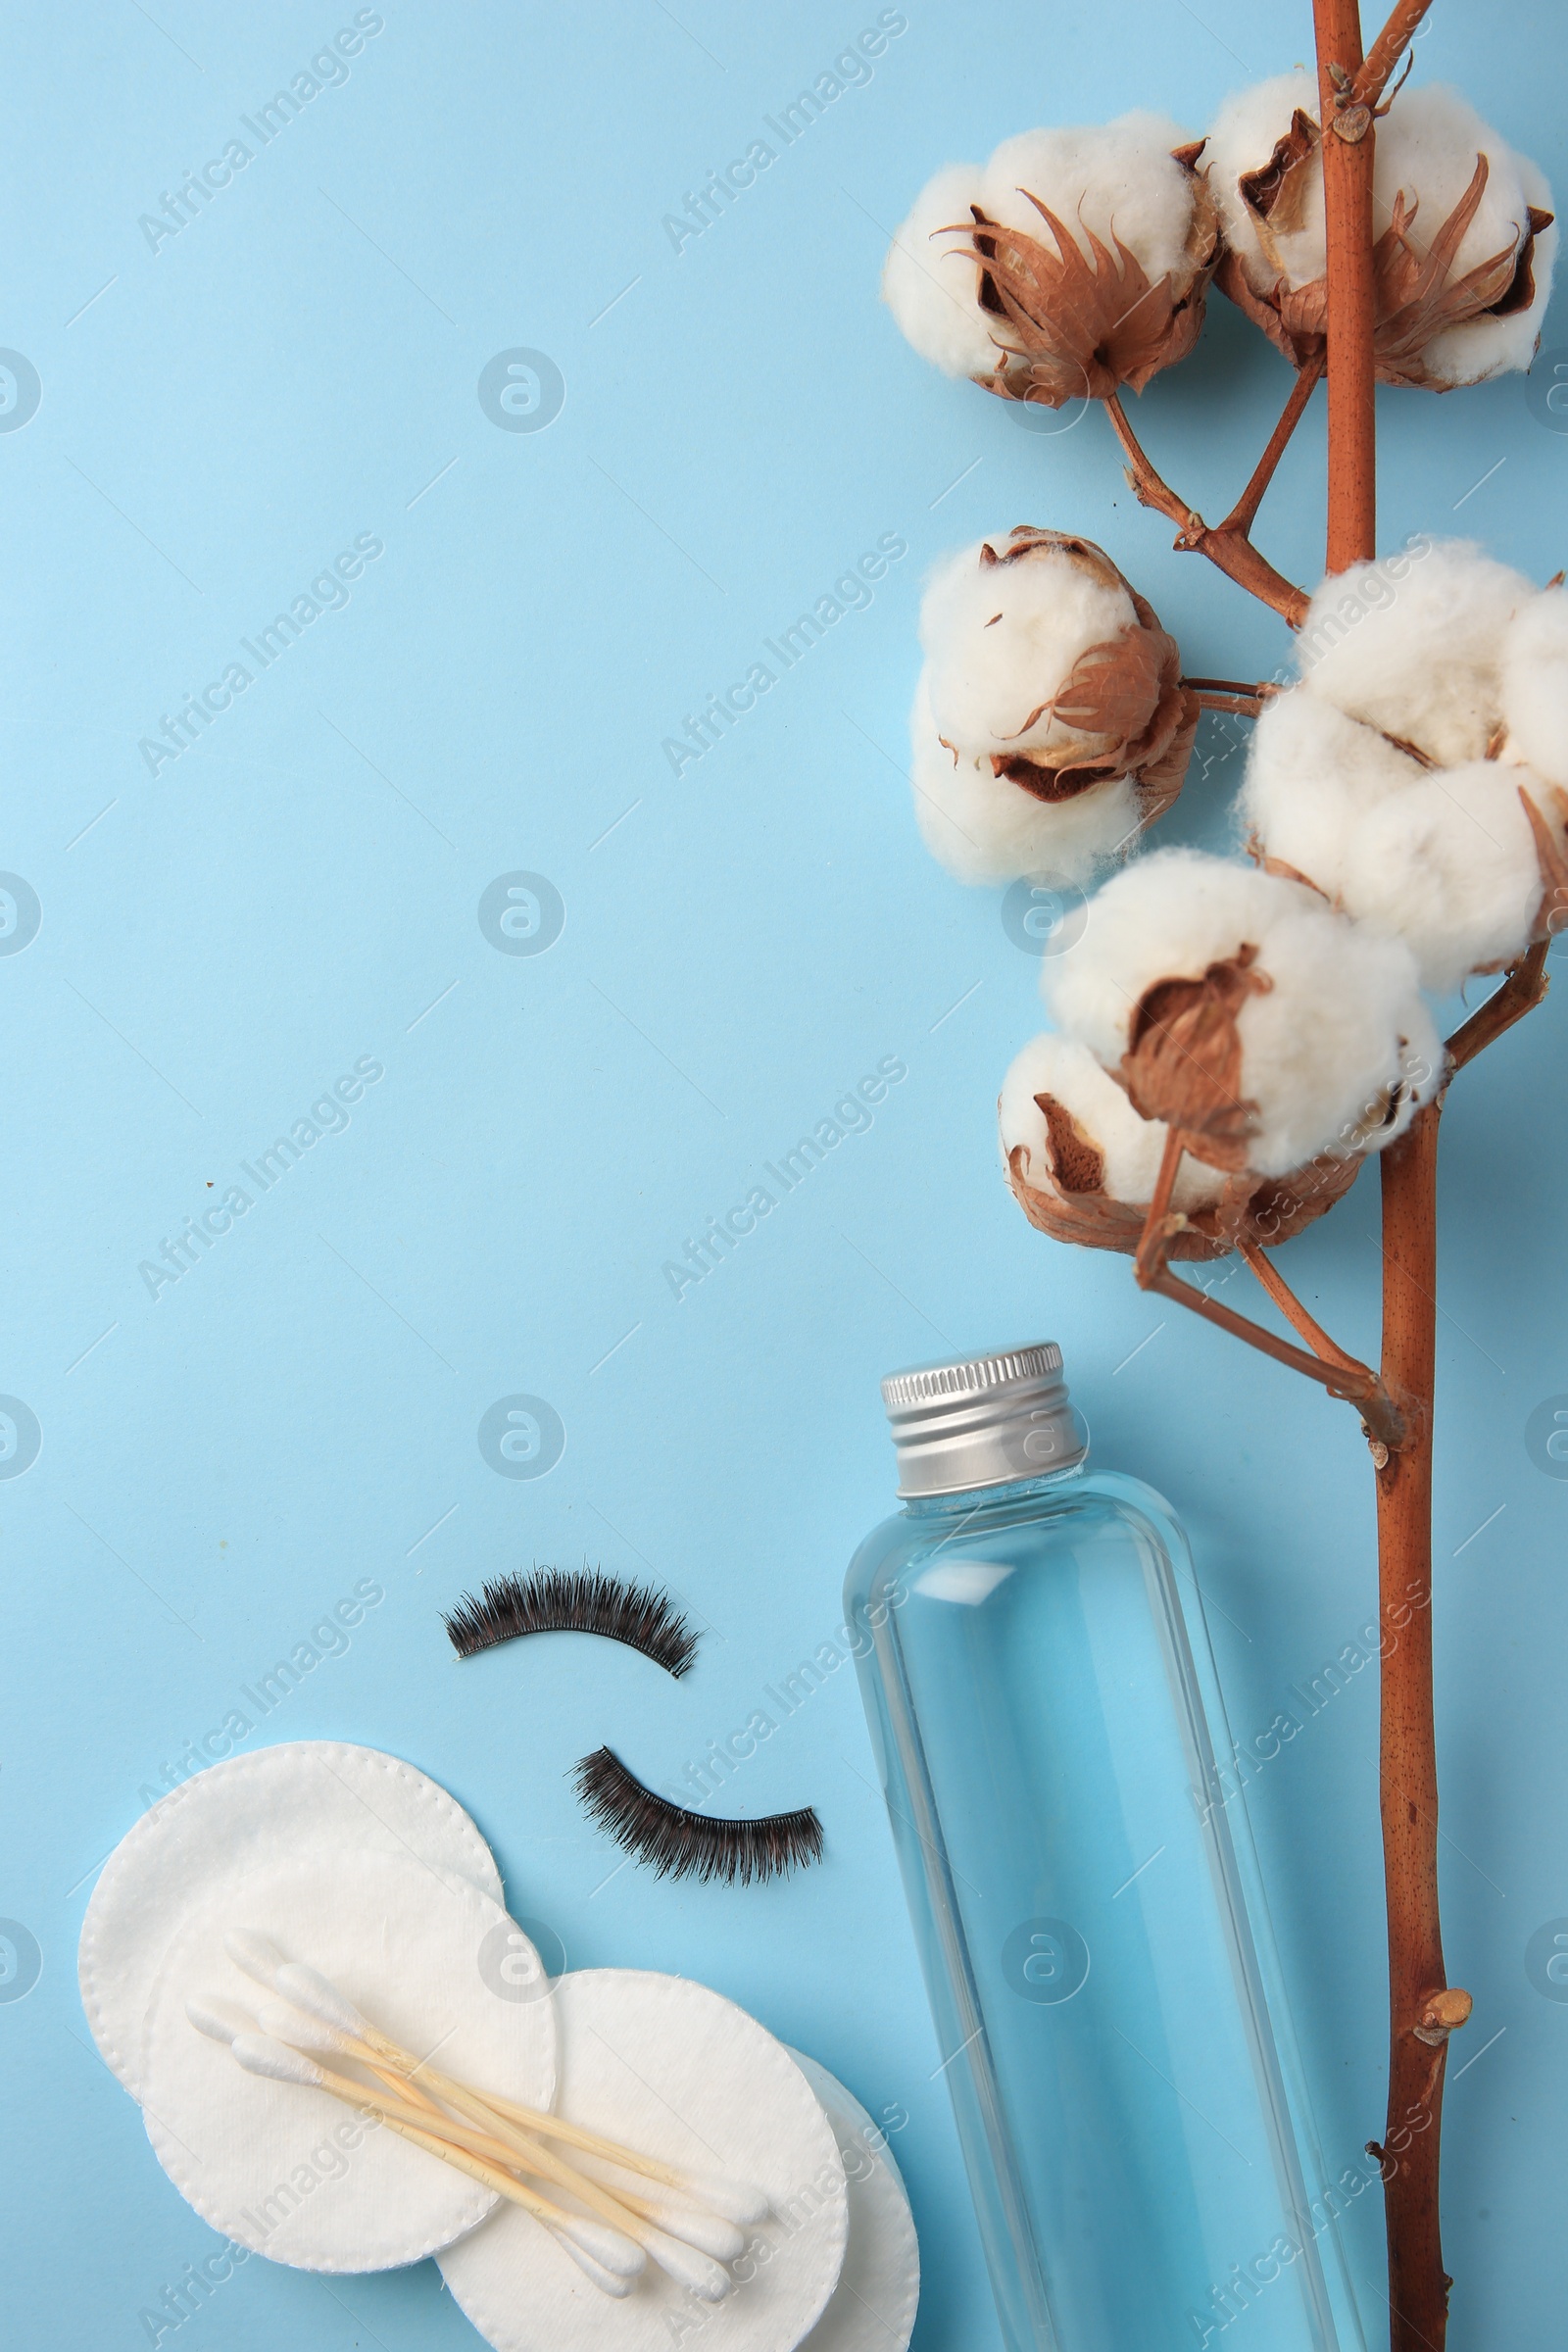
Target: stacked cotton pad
(361,1868)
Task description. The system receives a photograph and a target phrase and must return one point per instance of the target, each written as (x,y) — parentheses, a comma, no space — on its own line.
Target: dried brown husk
(1418,297)
(1123,700)
(1183,1063)
(1075,326)
(1073,1205)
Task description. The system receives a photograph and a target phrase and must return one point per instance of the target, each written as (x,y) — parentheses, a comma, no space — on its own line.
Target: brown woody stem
(1230,550)
(1295,1313)
(1352,300)
(1361,1387)
(1237,700)
(1234,694)
(1418,2284)
(1387,50)
(1158,1225)
(1522,990)
(1244,511)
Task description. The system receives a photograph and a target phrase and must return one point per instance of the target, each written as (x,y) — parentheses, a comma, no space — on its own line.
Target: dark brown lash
(693,1845)
(583,1600)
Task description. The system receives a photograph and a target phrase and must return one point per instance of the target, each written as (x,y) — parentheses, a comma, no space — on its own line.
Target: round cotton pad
(214,1828)
(873,2305)
(679,2072)
(290,2172)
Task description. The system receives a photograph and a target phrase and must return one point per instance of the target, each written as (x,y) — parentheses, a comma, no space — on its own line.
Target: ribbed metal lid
(982,1420)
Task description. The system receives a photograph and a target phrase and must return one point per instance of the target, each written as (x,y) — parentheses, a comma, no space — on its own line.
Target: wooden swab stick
(224,2021)
(706,2231)
(307,1989)
(499,2144)
(685,2243)
(259,2054)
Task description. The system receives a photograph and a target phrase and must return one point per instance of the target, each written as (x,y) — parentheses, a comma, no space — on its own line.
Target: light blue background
(217,1466)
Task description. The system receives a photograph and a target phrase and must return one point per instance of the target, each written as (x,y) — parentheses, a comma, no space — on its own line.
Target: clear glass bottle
(1042,1698)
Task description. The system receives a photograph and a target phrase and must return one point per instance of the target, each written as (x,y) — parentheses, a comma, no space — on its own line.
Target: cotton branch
(1522,990)
(1226,544)
(1232,695)
(1341,1374)
(1369,84)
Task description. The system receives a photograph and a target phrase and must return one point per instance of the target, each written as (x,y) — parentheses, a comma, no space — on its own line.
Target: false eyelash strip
(693,1845)
(583,1600)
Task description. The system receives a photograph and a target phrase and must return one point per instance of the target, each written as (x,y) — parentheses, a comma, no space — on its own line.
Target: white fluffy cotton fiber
(1117,179)
(1337,1053)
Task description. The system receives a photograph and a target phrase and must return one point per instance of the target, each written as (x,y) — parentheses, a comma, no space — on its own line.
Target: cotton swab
(678,2218)
(624,2245)
(706,2231)
(284,2023)
(673,2247)
(275,2026)
(225,2021)
(690,2265)
(609,2282)
(308,1990)
(219,2020)
(259,2054)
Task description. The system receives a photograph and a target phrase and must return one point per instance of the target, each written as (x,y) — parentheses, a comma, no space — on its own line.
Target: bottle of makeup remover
(1042,1698)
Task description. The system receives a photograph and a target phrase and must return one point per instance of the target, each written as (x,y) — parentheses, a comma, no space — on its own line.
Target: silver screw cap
(982,1421)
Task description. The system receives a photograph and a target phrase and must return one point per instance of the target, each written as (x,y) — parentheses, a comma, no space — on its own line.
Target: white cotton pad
(873,2305)
(268,2163)
(323,1796)
(679,2072)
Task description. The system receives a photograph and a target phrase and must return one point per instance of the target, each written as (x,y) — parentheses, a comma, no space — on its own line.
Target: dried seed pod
(1266,1028)
(1082,1165)
(1075,261)
(1463,269)
(1052,724)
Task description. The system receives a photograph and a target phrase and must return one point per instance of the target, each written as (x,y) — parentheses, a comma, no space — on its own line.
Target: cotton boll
(930,283)
(985,828)
(1482,316)
(1427,146)
(1130,1148)
(1169,916)
(1052,722)
(1444,859)
(1312,776)
(1450,866)
(1119,179)
(1001,639)
(1246,130)
(1336,1048)
(1411,644)
(1037,314)
(1535,685)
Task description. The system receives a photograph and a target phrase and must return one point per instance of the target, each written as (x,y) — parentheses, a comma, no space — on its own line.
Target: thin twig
(1363,1389)
(1160,1227)
(1387,50)
(1244,511)
(1232,552)
(1523,988)
(1238,701)
(1295,1313)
